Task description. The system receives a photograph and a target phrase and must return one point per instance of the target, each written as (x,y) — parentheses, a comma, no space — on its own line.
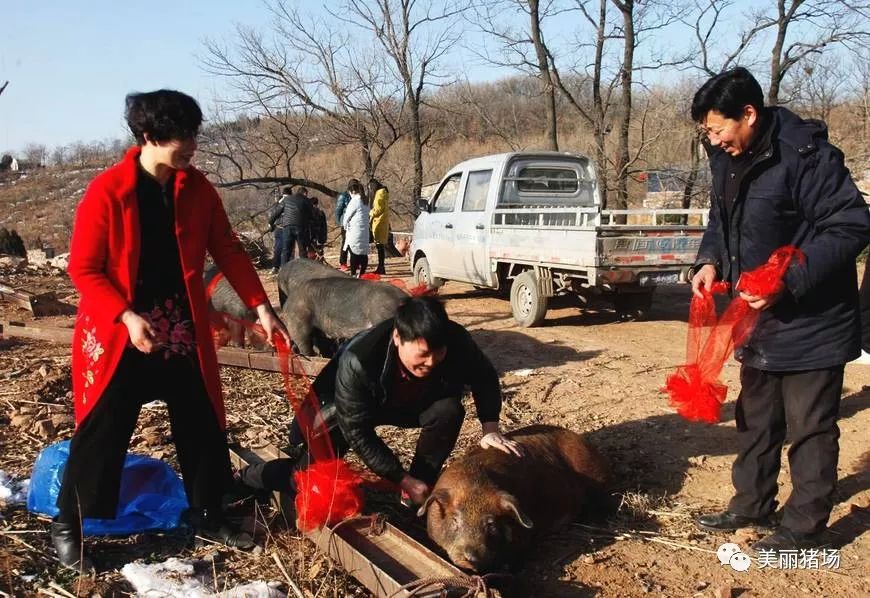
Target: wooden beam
(382,560)
(255,360)
(41,304)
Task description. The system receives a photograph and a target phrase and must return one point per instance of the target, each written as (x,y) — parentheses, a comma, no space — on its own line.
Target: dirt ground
(582,369)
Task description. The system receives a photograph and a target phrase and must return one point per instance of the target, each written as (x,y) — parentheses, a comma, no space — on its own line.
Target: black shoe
(727,521)
(67,541)
(212,525)
(785,539)
(380,271)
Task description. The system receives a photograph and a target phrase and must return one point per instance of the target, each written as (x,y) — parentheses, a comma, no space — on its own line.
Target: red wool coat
(103,264)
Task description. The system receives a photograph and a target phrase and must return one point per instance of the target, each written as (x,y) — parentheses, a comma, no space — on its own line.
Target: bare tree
(304,72)
(416,36)
(523,48)
(820,86)
(35,154)
(799,28)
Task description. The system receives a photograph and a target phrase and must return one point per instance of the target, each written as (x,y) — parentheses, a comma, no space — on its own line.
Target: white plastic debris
(13,492)
(523,373)
(176,578)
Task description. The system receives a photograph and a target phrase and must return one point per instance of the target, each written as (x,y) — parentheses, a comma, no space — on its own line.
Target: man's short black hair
(727,93)
(423,317)
(164,114)
(288,190)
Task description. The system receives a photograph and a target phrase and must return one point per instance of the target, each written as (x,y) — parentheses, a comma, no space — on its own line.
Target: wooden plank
(255,360)
(42,304)
(383,562)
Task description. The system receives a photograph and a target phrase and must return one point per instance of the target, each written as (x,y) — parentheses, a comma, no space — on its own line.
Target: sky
(71,63)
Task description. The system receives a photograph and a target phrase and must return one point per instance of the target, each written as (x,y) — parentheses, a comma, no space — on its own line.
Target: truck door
(471,250)
(442,228)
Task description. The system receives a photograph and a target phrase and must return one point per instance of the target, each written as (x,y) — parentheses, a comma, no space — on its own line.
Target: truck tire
(528,304)
(423,275)
(633,307)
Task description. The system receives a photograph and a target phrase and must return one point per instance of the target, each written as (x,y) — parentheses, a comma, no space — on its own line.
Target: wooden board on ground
(382,558)
(255,360)
(40,305)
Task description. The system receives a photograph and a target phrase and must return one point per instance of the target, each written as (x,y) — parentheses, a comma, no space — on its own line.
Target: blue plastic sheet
(152,496)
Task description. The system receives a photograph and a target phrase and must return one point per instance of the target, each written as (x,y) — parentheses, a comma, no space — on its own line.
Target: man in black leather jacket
(410,371)
(777,181)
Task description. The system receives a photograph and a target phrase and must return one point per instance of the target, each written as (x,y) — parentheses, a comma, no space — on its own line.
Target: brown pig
(488,506)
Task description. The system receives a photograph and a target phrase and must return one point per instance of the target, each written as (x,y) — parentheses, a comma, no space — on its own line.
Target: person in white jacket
(356,223)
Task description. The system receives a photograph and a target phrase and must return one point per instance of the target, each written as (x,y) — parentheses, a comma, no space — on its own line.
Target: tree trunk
(689,189)
(547,87)
(598,108)
(417,135)
(625,76)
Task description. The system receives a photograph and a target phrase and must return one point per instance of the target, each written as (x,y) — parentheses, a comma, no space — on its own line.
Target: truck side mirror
(423,204)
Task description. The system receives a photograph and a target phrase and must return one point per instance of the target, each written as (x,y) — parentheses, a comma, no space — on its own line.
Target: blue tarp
(152,496)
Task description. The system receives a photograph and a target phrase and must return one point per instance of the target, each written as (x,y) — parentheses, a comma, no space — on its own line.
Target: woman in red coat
(142,331)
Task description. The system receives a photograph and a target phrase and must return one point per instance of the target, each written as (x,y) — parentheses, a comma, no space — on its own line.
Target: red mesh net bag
(694,389)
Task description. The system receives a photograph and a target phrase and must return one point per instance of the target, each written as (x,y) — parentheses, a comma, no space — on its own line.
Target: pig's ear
(509,503)
(440,496)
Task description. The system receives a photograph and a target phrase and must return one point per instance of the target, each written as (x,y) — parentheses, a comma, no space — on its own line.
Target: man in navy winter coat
(778,181)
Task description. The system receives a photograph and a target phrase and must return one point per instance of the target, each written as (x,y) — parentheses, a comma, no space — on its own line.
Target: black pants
(439,421)
(342,255)
(806,404)
(294,236)
(92,476)
(380,248)
(279,248)
(358,262)
(864,302)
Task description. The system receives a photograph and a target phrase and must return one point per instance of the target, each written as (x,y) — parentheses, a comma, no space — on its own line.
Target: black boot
(728,521)
(212,525)
(67,540)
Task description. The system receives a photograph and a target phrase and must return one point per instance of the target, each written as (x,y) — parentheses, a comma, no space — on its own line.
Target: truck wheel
(423,275)
(529,306)
(632,307)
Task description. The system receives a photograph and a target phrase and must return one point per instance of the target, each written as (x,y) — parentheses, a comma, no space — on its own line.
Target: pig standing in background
(322,304)
(488,506)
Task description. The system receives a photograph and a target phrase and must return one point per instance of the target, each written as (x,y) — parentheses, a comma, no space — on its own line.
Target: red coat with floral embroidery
(103,264)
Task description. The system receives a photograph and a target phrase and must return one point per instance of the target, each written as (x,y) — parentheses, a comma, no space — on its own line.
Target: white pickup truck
(531,222)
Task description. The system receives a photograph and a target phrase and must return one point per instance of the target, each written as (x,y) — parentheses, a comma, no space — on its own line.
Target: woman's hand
(272,324)
(492,438)
(141,333)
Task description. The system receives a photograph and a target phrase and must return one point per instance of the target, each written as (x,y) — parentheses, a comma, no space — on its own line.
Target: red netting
(694,389)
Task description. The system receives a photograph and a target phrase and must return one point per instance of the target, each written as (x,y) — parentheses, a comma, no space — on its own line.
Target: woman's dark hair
(374,185)
(351,183)
(727,93)
(423,317)
(164,114)
(287,190)
(359,190)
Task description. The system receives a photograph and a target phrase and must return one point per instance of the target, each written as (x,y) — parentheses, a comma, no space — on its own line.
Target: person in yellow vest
(379,219)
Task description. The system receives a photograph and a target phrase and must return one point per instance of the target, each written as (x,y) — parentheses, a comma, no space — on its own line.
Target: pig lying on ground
(223,298)
(487,506)
(320,306)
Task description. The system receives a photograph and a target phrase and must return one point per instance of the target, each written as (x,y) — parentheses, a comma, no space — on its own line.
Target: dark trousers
(864,302)
(380,248)
(294,236)
(358,263)
(92,476)
(278,249)
(342,255)
(806,404)
(439,424)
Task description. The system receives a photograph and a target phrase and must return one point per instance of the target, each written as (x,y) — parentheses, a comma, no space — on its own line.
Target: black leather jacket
(359,381)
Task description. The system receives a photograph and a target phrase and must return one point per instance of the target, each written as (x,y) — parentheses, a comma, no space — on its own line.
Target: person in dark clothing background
(318,228)
(340,206)
(296,217)
(778,181)
(409,371)
(277,229)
